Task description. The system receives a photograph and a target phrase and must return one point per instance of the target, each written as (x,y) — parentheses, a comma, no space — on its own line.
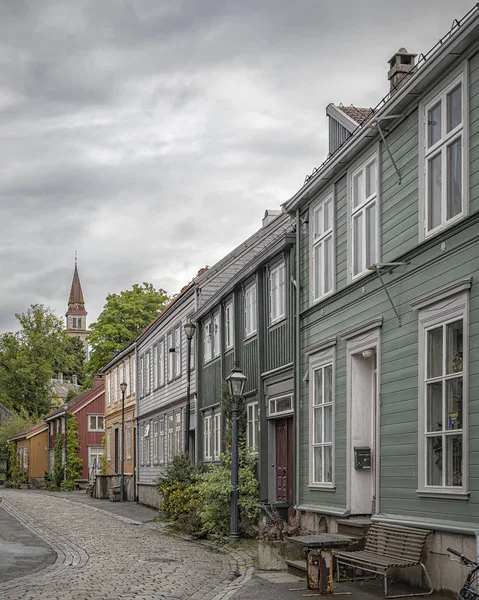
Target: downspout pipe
(477,554)
(297,365)
(137,440)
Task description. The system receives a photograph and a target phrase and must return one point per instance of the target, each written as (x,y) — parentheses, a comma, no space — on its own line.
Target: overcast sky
(151,135)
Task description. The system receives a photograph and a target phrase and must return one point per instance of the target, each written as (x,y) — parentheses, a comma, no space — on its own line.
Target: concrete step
(297,567)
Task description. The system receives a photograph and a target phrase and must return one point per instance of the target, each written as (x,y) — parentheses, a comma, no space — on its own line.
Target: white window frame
(155,441)
(229,325)
(277,293)
(161,448)
(353,212)
(127,377)
(141,445)
(253,417)
(207,340)
(170,358)
(275,400)
(108,444)
(317,362)
(133,374)
(216,335)
(207,428)
(170,439)
(217,436)
(97,418)
(459,75)
(128,440)
(178,355)
(95,452)
(434,314)
(146,436)
(161,362)
(178,428)
(108,390)
(250,310)
(116,387)
(155,367)
(142,376)
(320,236)
(147,372)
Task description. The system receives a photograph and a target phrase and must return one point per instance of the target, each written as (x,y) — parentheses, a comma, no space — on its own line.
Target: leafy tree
(74,464)
(226,405)
(30,357)
(16,423)
(123,318)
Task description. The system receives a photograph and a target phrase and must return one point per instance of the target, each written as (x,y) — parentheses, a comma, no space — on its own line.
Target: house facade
(249,319)
(32,451)
(162,381)
(121,369)
(388,310)
(88,409)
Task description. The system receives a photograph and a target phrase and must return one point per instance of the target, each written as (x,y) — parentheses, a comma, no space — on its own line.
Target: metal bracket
(387,267)
(376,123)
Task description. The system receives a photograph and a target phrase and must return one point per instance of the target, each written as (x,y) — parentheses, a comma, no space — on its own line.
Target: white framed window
(141,444)
(95,423)
(94,457)
(363,212)
(155,442)
(116,387)
(252,425)
(108,444)
(170,437)
(161,363)
(107,389)
(147,444)
(128,440)
(25,458)
(277,293)
(322,247)
(155,367)
(444,153)
(207,340)
(321,419)
(171,356)
(216,335)
(443,396)
(280,405)
(127,377)
(178,351)
(161,449)
(142,376)
(229,326)
(207,452)
(133,374)
(217,437)
(147,372)
(178,433)
(250,317)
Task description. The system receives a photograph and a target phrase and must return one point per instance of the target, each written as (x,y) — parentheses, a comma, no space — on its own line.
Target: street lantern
(190,329)
(236,381)
(123,387)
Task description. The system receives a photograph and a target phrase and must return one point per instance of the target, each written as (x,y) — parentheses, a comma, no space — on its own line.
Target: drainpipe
(297,363)
(477,555)
(137,440)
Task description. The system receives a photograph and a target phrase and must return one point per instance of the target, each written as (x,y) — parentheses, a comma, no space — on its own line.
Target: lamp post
(190,329)
(123,387)
(236,381)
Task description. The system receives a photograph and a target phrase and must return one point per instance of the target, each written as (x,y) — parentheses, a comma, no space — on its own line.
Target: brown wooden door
(284,460)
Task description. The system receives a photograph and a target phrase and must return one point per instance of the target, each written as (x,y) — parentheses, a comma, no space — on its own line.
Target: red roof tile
(360,115)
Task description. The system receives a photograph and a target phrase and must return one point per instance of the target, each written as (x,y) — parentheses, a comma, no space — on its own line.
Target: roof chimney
(402,63)
(269,216)
(60,376)
(74,380)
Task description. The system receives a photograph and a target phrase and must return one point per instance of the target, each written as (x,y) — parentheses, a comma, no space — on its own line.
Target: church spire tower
(76,313)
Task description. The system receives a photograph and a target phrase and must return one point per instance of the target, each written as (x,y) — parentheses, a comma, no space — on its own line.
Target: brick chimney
(402,63)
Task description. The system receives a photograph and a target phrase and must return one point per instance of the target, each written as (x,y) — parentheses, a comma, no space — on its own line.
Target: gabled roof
(76,403)
(360,115)
(29,432)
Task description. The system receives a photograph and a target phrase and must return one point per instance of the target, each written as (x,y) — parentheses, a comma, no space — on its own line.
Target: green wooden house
(387,359)
(249,319)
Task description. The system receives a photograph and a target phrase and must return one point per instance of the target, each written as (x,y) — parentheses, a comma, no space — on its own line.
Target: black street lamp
(236,381)
(190,329)
(123,387)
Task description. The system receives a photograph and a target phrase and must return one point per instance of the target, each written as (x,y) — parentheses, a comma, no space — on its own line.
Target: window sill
(250,336)
(322,487)
(277,323)
(443,494)
(441,228)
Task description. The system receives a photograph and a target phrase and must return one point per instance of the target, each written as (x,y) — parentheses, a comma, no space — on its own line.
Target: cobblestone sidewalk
(105,556)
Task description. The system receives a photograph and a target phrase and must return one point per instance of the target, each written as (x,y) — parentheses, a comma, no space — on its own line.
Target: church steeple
(76,313)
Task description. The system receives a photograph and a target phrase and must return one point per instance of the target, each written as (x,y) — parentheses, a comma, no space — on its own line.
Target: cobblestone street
(101,555)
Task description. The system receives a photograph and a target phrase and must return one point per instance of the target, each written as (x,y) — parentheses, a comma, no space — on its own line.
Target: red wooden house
(88,409)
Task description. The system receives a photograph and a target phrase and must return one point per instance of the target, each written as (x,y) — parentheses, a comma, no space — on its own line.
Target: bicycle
(468,590)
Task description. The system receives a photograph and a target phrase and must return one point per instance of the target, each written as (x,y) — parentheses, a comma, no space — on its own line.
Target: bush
(214,491)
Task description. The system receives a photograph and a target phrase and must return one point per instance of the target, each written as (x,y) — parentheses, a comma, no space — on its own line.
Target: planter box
(273,555)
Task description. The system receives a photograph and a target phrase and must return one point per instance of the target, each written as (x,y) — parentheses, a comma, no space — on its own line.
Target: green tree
(74,464)
(27,358)
(123,318)
(70,359)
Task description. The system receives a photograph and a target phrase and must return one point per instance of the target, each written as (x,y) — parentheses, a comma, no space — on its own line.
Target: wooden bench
(387,547)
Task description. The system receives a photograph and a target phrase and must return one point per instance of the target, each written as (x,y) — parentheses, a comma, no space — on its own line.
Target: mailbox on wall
(362,457)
